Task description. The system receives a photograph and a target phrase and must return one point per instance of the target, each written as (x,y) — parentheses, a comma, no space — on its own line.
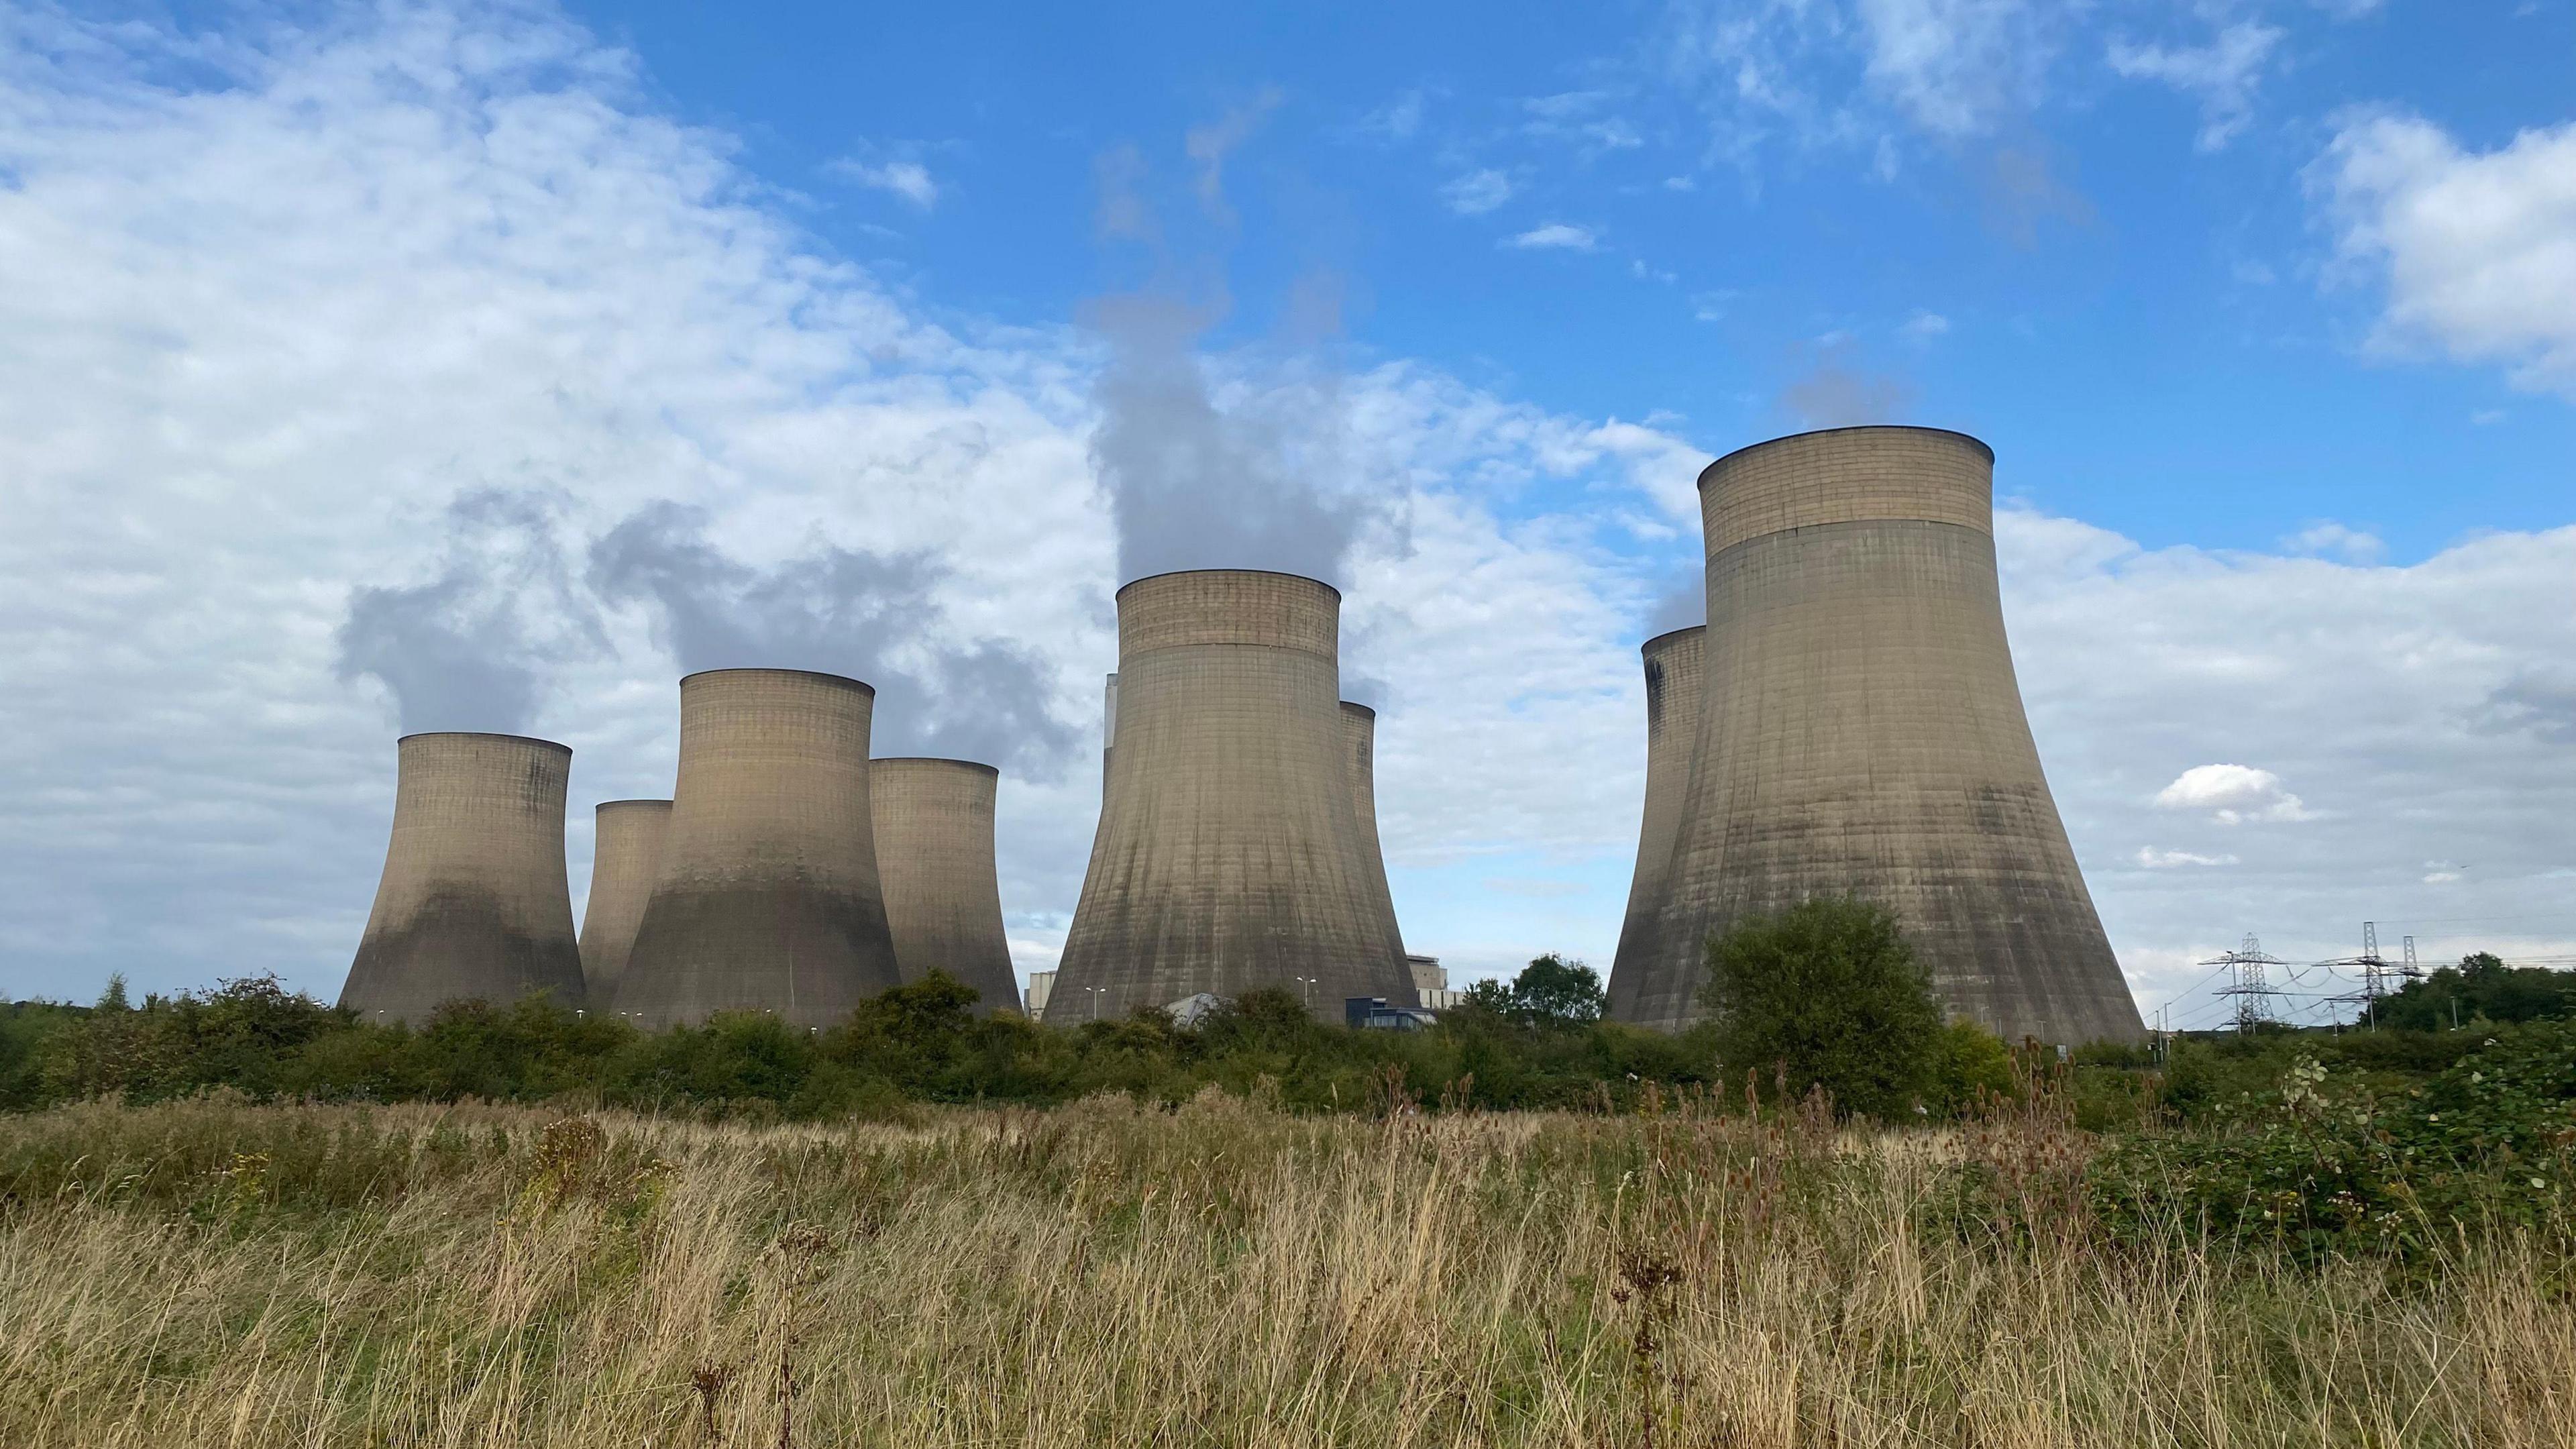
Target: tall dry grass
(213,1273)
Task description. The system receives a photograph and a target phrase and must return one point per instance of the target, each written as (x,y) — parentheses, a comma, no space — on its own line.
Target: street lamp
(1096,993)
(1308,982)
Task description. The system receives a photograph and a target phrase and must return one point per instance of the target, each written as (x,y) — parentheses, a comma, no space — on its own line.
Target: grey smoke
(1836,392)
(468,649)
(1261,482)
(864,615)
(1685,606)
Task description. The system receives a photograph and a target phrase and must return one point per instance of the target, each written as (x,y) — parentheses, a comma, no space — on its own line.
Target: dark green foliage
(2320,1163)
(2478,992)
(1827,994)
(1552,991)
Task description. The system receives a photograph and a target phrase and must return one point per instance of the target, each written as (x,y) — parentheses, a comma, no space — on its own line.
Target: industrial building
(1861,732)
(1359,757)
(1639,991)
(943,894)
(625,854)
(474,903)
(1228,855)
(768,897)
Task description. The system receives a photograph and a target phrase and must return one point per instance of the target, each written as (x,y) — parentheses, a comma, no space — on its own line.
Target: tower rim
(993,770)
(481,735)
(1980,444)
(1669,635)
(829,678)
(1271,573)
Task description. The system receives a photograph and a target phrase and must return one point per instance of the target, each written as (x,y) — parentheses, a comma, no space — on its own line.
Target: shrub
(1827,994)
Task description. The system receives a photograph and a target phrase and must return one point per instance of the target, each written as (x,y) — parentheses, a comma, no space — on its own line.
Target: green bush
(1827,994)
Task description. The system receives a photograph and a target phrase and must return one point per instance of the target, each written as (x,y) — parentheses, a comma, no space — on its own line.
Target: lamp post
(1308,983)
(1096,993)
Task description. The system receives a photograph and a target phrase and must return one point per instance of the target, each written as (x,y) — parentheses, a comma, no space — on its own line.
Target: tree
(1552,991)
(1830,992)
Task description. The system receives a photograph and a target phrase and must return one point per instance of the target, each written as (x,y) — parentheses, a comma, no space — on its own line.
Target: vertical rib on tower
(625,855)
(1228,855)
(1359,754)
(1674,689)
(1862,732)
(943,894)
(475,903)
(767,899)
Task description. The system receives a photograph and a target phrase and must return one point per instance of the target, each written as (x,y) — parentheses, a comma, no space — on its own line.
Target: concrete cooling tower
(1674,686)
(943,895)
(475,903)
(1861,732)
(1359,756)
(768,896)
(1228,855)
(626,853)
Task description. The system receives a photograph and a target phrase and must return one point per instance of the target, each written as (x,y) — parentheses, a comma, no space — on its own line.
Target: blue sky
(360,330)
(2156,346)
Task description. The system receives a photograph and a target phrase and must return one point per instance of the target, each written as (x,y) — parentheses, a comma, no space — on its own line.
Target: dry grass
(213,1273)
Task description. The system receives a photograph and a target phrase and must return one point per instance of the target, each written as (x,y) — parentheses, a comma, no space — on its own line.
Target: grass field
(213,1272)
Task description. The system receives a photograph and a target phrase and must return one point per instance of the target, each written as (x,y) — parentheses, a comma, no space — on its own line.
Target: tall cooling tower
(1861,732)
(768,896)
(475,902)
(943,895)
(626,853)
(1228,856)
(1359,756)
(1674,690)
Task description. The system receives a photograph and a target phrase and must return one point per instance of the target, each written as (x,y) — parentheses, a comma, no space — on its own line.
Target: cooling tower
(1638,992)
(626,852)
(1861,732)
(1359,759)
(1228,856)
(474,903)
(768,896)
(943,896)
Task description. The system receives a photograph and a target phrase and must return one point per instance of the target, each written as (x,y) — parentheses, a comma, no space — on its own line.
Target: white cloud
(1923,326)
(2232,795)
(1477,192)
(909,180)
(1583,119)
(2223,74)
(207,441)
(2486,417)
(1955,67)
(2342,541)
(1555,236)
(2476,250)
(2154,859)
(2441,872)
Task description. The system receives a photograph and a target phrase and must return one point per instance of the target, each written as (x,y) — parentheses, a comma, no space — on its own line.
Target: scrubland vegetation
(242,1218)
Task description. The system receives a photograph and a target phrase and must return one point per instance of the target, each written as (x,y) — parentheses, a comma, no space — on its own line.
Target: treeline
(1823,997)
(1534,1043)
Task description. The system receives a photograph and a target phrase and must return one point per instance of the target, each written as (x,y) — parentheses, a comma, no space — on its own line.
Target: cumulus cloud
(2474,252)
(1923,326)
(2224,74)
(2232,795)
(1477,192)
(210,450)
(1554,236)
